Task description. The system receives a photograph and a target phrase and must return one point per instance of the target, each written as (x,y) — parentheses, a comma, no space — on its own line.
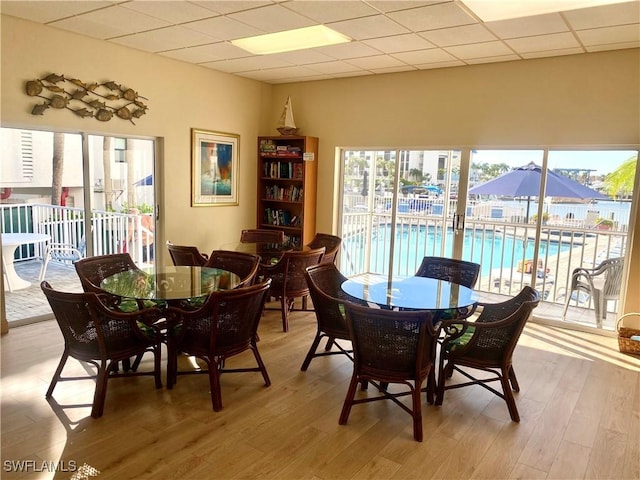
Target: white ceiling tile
(368,27)
(377,61)
(446,37)
(47,11)
(433,55)
(393,6)
(615,14)
(162,39)
(343,51)
(324,12)
(231,6)
(553,53)
(272,18)
(612,46)
(528,26)
(452,63)
(399,43)
(302,57)
(442,15)
(621,34)
(492,59)
(403,68)
(223,28)
(280,73)
(331,68)
(206,53)
(479,50)
(175,12)
(542,43)
(110,22)
(247,64)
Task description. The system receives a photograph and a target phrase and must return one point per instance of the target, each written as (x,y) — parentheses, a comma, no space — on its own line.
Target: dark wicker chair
(96,334)
(330,242)
(601,283)
(225,326)
(262,235)
(487,344)
(186,255)
(289,280)
(245,265)
(324,282)
(92,270)
(390,346)
(449,269)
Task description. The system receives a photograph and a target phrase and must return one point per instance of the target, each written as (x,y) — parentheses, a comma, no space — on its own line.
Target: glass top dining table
(169,283)
(270,253)
(416,293)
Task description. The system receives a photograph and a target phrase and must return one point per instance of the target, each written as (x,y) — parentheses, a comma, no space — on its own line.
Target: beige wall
(181,96)
(582,100)
(579,100)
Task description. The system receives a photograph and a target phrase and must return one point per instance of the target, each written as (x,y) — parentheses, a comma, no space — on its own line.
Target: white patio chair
(65,253)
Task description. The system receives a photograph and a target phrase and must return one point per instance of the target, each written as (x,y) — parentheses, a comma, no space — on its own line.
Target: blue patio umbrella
(148,180)
(525,182)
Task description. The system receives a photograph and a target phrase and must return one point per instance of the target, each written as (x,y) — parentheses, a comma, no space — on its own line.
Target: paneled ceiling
(388,36)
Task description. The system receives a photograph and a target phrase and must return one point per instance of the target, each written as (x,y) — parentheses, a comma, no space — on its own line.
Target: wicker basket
(625,344)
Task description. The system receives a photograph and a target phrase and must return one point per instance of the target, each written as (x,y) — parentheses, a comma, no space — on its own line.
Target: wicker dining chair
(101,336)
(450,269)
(245,265)
(331,243)
(390,347)
(262,235)
(225,325)
(186,255)
(324,282)
(289,280)
(486,344)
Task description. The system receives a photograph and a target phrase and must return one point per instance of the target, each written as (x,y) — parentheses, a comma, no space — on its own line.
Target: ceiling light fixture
(492,10)
(289,40)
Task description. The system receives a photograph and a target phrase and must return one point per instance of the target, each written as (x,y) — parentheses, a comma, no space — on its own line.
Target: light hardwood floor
(579,403)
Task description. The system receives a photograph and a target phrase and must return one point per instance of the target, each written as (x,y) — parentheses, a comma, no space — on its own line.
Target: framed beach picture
(214,168)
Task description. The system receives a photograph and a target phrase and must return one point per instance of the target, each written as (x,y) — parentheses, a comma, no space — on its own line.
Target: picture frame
(214,168)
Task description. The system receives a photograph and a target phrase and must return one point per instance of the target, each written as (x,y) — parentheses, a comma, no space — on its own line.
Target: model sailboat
(287,126)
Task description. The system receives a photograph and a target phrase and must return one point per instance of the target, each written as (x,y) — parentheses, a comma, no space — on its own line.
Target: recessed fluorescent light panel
(287,41)
(491,10)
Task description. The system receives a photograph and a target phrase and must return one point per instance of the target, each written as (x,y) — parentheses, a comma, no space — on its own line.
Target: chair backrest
(92,270)
(262,235)
(324,282)
(390,344)
(613,280)
(186,255)
(92,331)
(245,265)
(226,323)
(506,320)
(456,271)
(288,274)
(330,242)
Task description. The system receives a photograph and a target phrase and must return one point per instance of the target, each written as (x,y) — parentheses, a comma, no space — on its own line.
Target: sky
(601,161)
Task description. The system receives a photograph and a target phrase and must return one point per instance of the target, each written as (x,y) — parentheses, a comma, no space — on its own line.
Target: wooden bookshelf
(287,177)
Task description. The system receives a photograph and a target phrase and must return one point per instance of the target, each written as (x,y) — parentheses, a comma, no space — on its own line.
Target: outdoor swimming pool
(491,249)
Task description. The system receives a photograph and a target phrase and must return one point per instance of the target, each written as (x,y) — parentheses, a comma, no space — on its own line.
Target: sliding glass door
(88,194)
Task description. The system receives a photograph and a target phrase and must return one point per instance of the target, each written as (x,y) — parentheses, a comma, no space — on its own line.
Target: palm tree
(619,183)
(106,165)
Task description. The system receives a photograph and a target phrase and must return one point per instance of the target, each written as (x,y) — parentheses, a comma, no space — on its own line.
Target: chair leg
(417,413)
(441,380)
(348,401)
(214,385)
(512,378)
(101,390)
(329,345)
(58,372)
(311,352)
(566,303)
(157,366)
(43,268)
(261,366)
(508,396)
(285,313)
